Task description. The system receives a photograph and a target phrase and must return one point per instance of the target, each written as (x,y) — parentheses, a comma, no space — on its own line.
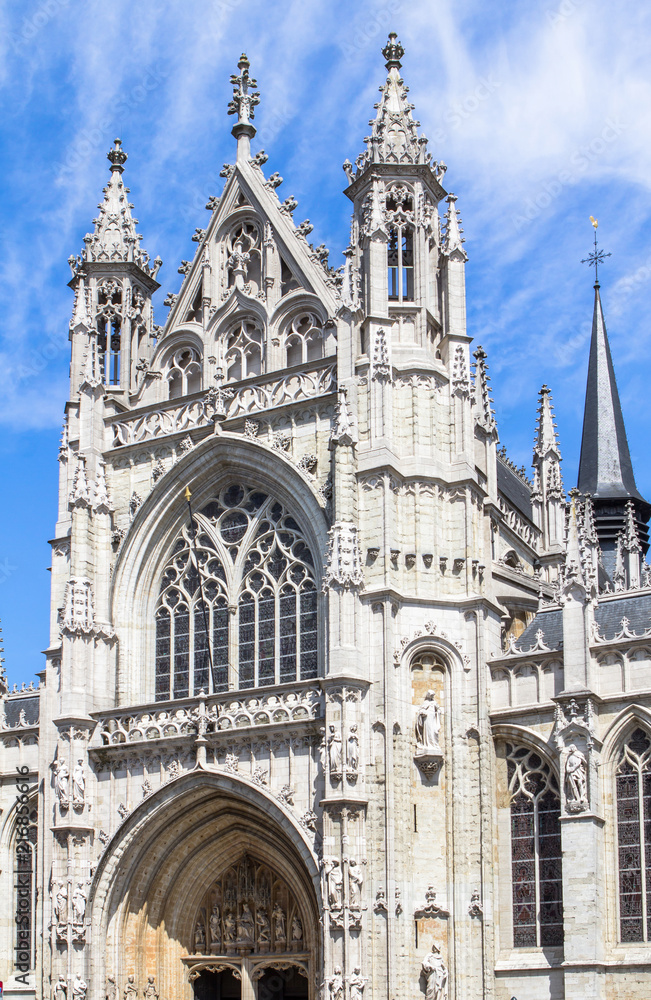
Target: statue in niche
(355,882)
(436,975)
(263,928)
(130,991)
(60,991)
(356,984)
(78,784)
(79,988)
(335,879)
(280,928)
(334,751)
(229,929)
(150,992)
(215,924)
(245,926)
(353,749)
(79,904)
(61,905)
(199,938)
(428,724)
(61,783)
(576,780)
(336,985)
(297,933)
(110,990)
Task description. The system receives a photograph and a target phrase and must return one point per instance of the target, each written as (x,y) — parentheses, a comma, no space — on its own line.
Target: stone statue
(336,985)
(130,991)
(353,749)
(428,724)
(79,904)
(355,882)
(61,783)
(334,750)
(335,885)
(150,992)
(110,990)
(436,974)
(263,927)
(245,926)
(229,928)
(215,924)
(576,780)
(78,784)
(79,988)
(356,984)
(60,991)
(280,929)
(297,933)
(61,905)
(199,938)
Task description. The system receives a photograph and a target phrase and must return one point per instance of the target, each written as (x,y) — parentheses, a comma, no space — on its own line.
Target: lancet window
(304,339)
(244,256)
(184,372)
(238,600)
(536,868)
(633,784)
(244,350)
(399,214)
(109,330)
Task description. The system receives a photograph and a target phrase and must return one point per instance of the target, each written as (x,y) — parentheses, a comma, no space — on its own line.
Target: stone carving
(79,904)
(355,883)
(61,783)
(576,781)
(215,927)
(229,929)
(60,905)
(79,988)
(263,929)
(280,931)
(286,794)
(150,992)
(60,991)
(398,901)
(309,820)
(260,776)
(232,763)
(343,427)
(334,752)
(476,908)
(78,785)
(344,557)
(356,984)
(146,788)
(429,755)
(199,938)
(110,989)
(335,882)
(431,907)
(123,811)
(336,985)
(245,927)
(436,975)
(380,905)
(103,837)
(130,992)
(297,933)
(352,750)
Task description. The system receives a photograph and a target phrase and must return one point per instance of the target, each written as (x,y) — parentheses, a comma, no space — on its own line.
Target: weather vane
(597,256)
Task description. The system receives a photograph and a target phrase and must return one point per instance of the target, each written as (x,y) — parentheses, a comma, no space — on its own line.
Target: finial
(597,256)
(117,156)
(393,52)
(243,102)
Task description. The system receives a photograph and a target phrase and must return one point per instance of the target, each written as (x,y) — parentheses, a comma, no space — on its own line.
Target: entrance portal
(282,984)
(217,986)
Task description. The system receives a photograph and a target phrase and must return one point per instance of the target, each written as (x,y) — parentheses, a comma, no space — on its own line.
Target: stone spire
(453,231)
(483,401)
(605,469)
(244,100)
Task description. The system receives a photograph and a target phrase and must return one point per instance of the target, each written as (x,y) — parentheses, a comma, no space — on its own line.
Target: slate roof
(29,703)
(608,617)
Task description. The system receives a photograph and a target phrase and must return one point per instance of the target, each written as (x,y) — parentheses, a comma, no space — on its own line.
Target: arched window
(25,880)
(255,573)
(634,838)
(244,351)
(109,330)
(536,871)
(304,339)
(244,256)
(184,373)
(399,214)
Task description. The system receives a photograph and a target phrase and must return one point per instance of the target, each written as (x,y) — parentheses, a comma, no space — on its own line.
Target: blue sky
(541,109)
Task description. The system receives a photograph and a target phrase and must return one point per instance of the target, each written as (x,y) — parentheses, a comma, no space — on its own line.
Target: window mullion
(399,232)
(640,801)
(536,869)
(277,634)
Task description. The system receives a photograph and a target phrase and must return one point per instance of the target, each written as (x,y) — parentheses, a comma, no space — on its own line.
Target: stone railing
(213,714)
(517,523)
(240,399)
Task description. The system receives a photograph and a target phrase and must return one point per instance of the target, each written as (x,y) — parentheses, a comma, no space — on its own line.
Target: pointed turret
(605,469)
(454,239)
(548,496)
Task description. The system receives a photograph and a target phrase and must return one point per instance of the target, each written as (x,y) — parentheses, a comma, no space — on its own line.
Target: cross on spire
(242,104)
(597,256)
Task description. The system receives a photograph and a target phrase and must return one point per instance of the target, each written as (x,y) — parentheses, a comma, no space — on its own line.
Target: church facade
(338,703)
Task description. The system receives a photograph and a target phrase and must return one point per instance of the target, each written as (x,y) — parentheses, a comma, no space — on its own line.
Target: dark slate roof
(605,468)
(30,705)
(511,486)
(608,617)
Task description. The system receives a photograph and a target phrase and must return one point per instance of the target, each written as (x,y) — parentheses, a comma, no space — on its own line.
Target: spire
(115,237)
(546,439)
(243,102)
(573,571)
(485,412)
(453,238)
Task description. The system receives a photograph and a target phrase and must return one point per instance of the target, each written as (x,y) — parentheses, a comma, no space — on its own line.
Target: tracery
(633,786)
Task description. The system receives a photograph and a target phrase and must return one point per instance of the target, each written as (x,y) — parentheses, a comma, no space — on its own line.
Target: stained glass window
(536,871)
(633,785)
(242,574)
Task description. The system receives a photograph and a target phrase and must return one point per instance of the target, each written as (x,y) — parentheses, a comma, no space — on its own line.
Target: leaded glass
(243,552)
(536,870)
(633,790)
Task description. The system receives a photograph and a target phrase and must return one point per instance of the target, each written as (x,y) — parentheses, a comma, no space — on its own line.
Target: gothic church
(338,703)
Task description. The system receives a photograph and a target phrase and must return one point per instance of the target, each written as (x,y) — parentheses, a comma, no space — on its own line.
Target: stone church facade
(338,702)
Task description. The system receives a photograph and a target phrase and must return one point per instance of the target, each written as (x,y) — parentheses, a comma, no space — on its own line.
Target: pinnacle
(393,52)
(117,156)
